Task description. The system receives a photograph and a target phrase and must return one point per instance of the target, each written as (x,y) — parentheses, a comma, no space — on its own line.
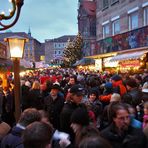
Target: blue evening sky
(47,18)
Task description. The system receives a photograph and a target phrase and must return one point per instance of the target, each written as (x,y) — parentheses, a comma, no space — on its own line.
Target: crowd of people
(66,108)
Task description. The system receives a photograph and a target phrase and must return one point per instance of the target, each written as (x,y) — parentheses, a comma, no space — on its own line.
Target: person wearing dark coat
(134,92)
(120,134)
(25,92)
(72,82)
(8,107)
(34,97)
(73,102)
(118,86)
(53,105)
(14,139)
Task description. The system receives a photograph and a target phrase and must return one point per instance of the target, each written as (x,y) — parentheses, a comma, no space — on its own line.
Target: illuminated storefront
(132,60)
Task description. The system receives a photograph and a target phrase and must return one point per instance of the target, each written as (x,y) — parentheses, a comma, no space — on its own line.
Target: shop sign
(130,63)
(98,64)
(108,63)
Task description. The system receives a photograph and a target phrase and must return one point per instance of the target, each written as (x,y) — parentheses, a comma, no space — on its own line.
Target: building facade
(33,48)
(87,25)
(121,25)
(54,49)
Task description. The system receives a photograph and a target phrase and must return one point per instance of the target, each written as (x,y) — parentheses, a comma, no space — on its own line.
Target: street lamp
(16,46)
(16,9)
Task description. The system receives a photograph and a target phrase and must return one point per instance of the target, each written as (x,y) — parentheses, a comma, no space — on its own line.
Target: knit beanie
(80,116)
(116,77)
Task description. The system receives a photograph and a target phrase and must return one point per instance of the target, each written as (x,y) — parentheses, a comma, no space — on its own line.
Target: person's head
(85,132)
(37,135)
(44,116)
(108,88)
(54,90)
(76,93)
(115,97)
(127,98)
(131,84)
(93,95)
(79,119)
(72,80)
(28,116)
(115,78)
(94,142)
(120,117)
(36,85)
(138,79)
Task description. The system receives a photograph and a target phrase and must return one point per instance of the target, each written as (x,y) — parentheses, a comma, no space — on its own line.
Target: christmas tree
(73,51)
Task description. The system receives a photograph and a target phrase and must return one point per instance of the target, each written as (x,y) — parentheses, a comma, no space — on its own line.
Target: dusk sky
(47,19)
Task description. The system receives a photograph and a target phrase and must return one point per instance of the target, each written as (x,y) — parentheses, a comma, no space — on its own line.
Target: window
(105,30)
(59,52)
(116,27)
(55,52)
(55,45)
(145,16)
(105,4)
(133,21)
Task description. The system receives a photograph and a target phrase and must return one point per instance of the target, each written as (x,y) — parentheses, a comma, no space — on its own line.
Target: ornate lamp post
(16,9)
(16,46)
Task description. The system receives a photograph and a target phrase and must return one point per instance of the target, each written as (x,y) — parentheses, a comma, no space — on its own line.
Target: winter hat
(116,77)
(27,83)
(77,89)
(108,87)
(145,87)
(131,82)
(80,116)
(56,86)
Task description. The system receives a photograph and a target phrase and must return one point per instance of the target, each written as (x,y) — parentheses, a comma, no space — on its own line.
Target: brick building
(121,34)
(121,25)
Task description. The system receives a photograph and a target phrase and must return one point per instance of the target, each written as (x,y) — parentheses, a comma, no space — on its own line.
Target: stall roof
(129,56)
(103,55)
(5,62)
(84,62)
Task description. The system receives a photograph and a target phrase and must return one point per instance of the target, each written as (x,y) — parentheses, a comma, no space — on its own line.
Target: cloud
(48,18)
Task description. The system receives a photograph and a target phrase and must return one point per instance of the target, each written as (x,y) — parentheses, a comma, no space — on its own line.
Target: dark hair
(116,108)
(74,77)
(94,142)
(87,131)
(127,98)
(131,82)
(43,113)
(37,135)
(28,116)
